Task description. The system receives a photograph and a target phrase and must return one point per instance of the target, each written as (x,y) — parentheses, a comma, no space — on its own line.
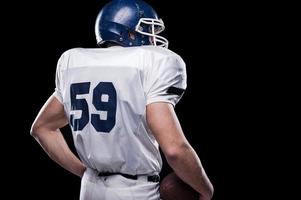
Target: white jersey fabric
(105,92)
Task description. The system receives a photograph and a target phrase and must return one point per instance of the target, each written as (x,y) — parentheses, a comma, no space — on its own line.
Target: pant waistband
(151,178)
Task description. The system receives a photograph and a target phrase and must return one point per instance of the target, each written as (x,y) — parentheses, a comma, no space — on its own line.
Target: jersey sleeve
(166,80)
(59,82)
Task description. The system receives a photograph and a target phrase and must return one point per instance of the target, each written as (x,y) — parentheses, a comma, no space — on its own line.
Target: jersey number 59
(104,100)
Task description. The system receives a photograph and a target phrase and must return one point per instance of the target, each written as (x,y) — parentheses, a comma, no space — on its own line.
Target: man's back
(105,93)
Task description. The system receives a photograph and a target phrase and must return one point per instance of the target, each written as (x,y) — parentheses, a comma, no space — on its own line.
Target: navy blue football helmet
(129,23)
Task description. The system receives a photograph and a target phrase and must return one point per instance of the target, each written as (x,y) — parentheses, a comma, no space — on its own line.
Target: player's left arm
(166,84)
(46,130)
(165,126)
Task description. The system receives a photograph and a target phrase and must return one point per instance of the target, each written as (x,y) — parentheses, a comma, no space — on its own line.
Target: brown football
(173,188)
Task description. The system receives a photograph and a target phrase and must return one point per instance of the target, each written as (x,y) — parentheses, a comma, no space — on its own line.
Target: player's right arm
(45,129)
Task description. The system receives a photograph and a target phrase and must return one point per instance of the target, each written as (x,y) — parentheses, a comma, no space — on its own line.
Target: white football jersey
(105,92)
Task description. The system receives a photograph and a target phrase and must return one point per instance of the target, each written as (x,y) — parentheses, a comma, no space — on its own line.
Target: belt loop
(153,178)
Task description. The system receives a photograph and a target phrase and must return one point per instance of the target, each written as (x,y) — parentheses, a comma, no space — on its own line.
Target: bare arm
(45,130)
(166,128)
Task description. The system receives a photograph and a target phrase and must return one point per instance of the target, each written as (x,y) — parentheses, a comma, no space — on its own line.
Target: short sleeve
(61,65)
(166,80)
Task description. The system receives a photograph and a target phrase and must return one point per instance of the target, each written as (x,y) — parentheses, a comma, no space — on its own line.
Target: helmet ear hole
(132,35)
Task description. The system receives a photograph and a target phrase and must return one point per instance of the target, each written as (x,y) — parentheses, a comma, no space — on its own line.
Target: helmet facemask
(151,28)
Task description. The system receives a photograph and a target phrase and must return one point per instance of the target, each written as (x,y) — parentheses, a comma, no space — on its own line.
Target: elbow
(175,153)
(172,155)
(208,192)
(211,191)
(35,130)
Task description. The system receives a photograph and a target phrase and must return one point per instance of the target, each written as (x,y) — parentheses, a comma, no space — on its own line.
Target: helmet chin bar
(157,26)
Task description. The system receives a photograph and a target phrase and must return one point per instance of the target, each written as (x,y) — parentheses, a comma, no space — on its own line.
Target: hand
(84,168)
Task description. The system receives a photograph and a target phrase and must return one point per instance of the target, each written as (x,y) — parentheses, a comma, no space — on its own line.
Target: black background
(217,112)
